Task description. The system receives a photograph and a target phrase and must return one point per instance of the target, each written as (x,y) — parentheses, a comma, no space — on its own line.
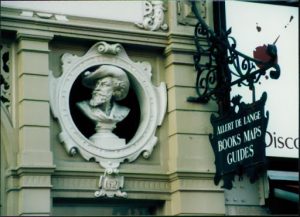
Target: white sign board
(258,24)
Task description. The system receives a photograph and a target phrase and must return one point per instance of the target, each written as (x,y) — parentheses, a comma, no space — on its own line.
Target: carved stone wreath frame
(152,101)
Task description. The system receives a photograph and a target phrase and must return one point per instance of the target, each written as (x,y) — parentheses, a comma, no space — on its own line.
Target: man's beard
(98,99)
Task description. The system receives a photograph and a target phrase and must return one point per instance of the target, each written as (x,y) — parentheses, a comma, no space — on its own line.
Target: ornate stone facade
(152,101)
(166,166)
(153,16)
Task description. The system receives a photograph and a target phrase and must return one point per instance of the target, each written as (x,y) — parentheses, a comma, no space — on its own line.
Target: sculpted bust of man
(109,84)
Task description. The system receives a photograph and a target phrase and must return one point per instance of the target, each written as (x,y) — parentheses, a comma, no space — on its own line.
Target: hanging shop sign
(239,129)
(238,140)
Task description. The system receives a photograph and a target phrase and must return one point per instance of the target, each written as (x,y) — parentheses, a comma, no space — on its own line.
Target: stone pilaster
(191,159)
(35,160)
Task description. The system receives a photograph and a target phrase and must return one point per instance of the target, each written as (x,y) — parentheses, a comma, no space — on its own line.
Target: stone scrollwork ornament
(107,70)
(110,184)
(153,16)
(5,77)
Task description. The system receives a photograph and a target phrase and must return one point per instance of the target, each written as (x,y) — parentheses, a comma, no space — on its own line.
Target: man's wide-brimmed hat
(90,79)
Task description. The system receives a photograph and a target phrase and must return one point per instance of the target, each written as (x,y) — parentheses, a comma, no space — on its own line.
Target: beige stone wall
(179,174)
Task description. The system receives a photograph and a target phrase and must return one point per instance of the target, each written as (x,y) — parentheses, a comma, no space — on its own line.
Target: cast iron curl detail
(214,74)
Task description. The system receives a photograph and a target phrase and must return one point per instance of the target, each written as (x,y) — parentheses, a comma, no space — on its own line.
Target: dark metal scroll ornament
(217,60)
(238,138)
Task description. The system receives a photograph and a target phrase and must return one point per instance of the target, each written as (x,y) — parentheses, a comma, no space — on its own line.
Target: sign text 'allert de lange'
(238,140)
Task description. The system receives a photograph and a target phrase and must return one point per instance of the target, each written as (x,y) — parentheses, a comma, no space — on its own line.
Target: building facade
(166,167)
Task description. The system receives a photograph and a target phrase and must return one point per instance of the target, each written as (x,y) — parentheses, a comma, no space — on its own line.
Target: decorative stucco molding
(110,184)
(5,77)
(43,15)
(153,16)
(152,102)
(86,183)
(35,181)
(105,48)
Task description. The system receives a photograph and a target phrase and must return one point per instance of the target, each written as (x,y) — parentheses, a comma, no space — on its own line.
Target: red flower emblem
(265,54)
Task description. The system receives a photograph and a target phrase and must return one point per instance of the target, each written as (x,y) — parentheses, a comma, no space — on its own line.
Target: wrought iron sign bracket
(238,138)
(214,76)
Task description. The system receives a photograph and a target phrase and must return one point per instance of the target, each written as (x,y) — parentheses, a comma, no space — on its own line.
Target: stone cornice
(93,29)
(182,43)
(34,35)
(152,186)
(188,181)
(68,183)
(136,185)
(137,174)
(97,29)
(29,177)
(190,174)
(32,170)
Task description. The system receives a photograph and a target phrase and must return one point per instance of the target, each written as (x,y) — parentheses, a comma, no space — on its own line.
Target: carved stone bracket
(110,184)
(153,16)
(185,15)
(152,105)
(5,77)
